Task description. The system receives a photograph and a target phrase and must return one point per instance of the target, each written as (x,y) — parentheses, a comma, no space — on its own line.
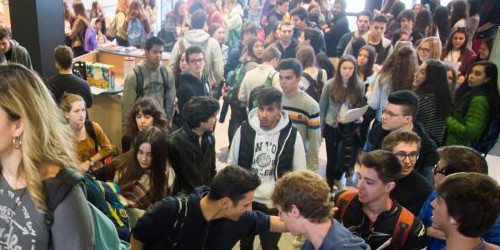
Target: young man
(375,37)
(263,74)
(300,20)
(452,159)
(277,14)
(406,21)
(65,81)
(214,66)
(248,32)
(157,81)
(14,52)
(285,43)
(336,28)
(217,216)
(466,207)
(191,148)
(371,213)
(399,113)
(269,145)
(363,20)
(314,37)
(412,189)
(302,109)
(302,199)
(193,82)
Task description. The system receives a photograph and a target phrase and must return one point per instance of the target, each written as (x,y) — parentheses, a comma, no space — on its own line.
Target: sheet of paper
(354,114)
(97,91)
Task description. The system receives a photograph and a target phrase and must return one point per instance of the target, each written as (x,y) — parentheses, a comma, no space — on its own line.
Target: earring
(17,142)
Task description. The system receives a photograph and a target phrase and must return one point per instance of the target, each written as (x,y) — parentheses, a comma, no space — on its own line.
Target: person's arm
(170,95)
(73,226)
(277,226)
(217,62)
(183,96)
(235,148)
(374,97)
(233,19)
(314,138)
(474,122)
(242,94)
(299,154)
(174,55)
(129,96)
(76,27)
(102,141)
(87,96)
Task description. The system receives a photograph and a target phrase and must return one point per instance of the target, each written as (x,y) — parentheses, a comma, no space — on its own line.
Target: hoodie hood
(255,123)
(196,37)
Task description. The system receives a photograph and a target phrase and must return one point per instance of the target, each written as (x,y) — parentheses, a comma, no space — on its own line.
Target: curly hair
(401,65)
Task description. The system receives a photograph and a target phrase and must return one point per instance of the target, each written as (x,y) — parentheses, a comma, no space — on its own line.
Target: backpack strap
(89,127)
(343,202)
(139,88)
(181,204)
(320,76)
(402,229)
(182,47)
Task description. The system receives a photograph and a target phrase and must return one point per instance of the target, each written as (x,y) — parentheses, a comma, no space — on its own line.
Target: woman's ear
(18,127)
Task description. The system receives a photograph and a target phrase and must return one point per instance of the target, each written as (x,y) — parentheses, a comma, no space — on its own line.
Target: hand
(460,80)
(84,166)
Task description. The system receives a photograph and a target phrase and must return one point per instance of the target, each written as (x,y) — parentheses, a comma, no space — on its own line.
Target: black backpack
(315,86)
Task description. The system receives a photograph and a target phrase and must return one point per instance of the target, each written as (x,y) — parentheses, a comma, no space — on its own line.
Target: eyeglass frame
(409,156)
(436,170)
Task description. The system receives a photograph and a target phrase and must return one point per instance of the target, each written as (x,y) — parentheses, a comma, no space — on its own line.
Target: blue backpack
(136,33)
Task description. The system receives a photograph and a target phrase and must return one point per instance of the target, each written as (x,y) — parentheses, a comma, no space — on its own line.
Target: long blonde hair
(434,45)
(45,140)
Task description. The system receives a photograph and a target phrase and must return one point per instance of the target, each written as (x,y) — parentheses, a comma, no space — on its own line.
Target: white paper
(97,91)
(353,114)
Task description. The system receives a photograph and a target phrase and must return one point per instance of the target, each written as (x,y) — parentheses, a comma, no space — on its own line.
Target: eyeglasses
(436,170)
(424,50)
(402,156)
(193,61)
(390,114)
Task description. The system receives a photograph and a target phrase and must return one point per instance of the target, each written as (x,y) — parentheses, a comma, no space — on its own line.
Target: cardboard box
(101,75)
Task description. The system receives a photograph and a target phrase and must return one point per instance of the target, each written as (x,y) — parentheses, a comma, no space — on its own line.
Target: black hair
(441,23)
(408,14)
(4,32)
(300,12)
(380,19)
(367,70)
(154,41)
(63,55)
(198,110)
(387,165)
(365,13)
(269,95)
(397,8)
(436,84)
(315,37)
(293,64)
(474,7)
(405,98)
(489,44)
(459,12)
(193,50)
(249,27)
(198,19)
(233,182)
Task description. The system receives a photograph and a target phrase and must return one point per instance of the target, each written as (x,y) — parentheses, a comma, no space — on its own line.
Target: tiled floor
(221,146)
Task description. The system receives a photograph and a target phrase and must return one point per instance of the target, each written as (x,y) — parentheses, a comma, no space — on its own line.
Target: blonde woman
(429,48)
(121,22)
(34,148)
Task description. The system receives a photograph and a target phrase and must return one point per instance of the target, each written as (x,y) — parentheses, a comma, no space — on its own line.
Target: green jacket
(468,121)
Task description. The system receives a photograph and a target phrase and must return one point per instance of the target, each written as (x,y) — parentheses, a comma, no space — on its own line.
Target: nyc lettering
(269,147)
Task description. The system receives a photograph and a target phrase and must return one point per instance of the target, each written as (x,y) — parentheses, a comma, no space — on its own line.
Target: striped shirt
(304,113)
(428,117)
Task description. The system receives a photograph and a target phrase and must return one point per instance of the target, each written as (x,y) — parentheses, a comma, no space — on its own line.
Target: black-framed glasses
(402,156)
(390,113)
(436,170)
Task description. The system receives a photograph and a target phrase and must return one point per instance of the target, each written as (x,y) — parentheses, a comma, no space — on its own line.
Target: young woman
(180,66)
(34,148)
(456,51)
(313,78)
(216,31)
(459,15)
(89,152)
(365,61)
(485,49)
(121,22)
(146,112)
(138,28)
(253,55)
(451,76)
(401,65)
(476,102)
(423,22)
(417,8)
(176,23)
(274,35)
(142,174)
(473,9)
(78,29)
(233,21)
(441,24)
(429,48)
(151,12)
(434,105)
(96,12)
(340,94)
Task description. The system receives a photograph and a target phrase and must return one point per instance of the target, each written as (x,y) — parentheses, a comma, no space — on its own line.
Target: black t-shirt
(380,51)
(289,52)
(69,83)
(197,233)
(412,191)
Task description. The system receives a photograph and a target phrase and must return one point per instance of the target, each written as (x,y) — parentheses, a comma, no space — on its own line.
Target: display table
(106,108)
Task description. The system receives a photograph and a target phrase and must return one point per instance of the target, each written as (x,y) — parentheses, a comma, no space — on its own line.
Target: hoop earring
(17,142)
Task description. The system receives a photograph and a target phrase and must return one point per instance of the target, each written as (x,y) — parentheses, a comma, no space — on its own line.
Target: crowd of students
(407,105)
